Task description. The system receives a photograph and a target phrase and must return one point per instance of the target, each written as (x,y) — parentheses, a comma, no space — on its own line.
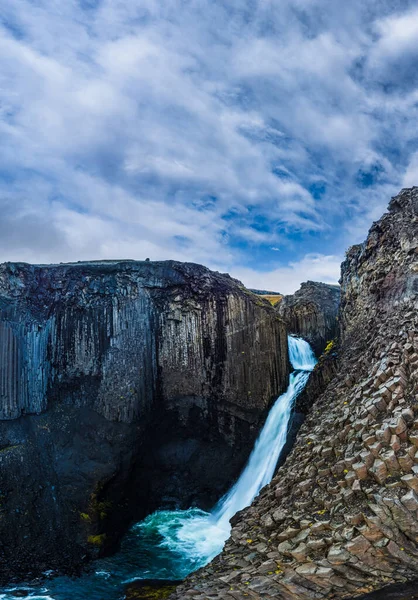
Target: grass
(273,299)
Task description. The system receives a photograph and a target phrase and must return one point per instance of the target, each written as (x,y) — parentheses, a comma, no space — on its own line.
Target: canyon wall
(340,519)
(123,386)
(312,312)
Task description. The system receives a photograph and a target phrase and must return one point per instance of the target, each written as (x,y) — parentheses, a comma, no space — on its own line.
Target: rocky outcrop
(312,313)
(123,386)
(340,519)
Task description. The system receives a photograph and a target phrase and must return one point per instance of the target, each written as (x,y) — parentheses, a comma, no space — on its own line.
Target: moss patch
(97,540)
(150,590)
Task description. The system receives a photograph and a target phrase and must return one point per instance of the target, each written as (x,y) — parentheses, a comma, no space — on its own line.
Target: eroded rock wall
(101,361)
(340,519)
(312,313)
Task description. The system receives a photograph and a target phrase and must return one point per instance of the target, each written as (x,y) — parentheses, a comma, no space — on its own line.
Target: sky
(258,137)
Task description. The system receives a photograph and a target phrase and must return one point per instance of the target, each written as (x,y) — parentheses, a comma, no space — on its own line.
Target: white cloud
(287,279)
(202,131)
(411,175)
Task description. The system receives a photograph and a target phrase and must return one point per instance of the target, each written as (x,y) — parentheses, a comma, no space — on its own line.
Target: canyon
(123,386)
(340,518)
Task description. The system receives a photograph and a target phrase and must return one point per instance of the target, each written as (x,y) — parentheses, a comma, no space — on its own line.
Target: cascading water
(200,536)
(172,544)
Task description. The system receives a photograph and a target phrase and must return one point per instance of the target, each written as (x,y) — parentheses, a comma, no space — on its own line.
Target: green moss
(85,517)
(150,591)
(9,448)
(97,540)
(329,346)
(102,508)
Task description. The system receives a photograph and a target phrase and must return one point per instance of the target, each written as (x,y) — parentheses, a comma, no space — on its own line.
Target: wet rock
(150,590)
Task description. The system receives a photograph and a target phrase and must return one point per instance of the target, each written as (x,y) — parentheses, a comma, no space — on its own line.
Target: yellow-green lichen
(137,591)
(97,540)
(330,345)
(85,517)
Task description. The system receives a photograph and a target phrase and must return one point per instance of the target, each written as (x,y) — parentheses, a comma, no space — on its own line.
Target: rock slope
(340,519)
(101,362)
(312,313)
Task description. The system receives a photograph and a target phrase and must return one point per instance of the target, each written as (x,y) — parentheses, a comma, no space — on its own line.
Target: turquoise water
(172,544)
(146,553)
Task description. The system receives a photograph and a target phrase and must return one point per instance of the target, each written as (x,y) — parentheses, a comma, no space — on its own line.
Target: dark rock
(312,313)
(150,590)
(123,387)
(347,494)
(406,591)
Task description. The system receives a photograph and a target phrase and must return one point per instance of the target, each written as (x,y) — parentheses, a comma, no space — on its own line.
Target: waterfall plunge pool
(169,545)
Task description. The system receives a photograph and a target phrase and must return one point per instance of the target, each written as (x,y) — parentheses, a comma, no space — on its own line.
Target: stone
(398,426)
(288,533)
(410,500)
(337,555)
(279,516)
(360,470)
(379,471)
(406,462)
(395,443)
(300,552)
(411,481)
(390,461)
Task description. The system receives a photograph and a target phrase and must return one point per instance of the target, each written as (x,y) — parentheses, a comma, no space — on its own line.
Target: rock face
(123,386)
(312,313)
(340,519)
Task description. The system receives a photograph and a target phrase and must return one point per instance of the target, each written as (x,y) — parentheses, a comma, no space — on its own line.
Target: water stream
(172,544)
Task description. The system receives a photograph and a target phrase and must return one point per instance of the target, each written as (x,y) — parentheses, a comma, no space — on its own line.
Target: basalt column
(340,519)
(107,371)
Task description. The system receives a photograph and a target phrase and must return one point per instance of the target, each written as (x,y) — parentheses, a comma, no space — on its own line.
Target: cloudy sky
(258,137)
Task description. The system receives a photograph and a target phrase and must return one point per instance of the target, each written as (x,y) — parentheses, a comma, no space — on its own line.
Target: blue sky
(260,137)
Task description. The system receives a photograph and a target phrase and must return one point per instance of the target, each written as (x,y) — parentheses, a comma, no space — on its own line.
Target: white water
(198,536)
(172,544)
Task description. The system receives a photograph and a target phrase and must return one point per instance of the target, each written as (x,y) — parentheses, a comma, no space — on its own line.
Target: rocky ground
(340,519)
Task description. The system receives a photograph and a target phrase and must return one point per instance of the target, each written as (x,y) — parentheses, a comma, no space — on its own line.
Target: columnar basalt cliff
(312,313)
(103,363)
(340,519)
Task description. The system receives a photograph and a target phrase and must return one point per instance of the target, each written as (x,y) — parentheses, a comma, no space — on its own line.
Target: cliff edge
(123,386)
(340,518)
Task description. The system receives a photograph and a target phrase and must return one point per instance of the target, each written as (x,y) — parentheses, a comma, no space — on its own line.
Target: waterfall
(263,460)
(196,536)
(172,544)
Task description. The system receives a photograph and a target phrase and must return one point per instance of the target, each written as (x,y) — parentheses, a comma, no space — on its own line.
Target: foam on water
(200,536)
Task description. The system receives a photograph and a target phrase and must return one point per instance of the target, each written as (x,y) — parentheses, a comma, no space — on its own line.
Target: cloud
(393,59)
(287,279)
(411,175)
(209,132)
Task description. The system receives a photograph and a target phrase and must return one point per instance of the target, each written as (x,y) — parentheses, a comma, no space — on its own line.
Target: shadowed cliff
(123,386)
(312,313)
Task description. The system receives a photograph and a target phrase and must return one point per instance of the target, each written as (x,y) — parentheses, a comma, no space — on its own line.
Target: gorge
(168,545)
(340,518)
(123,385)
(127,388)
